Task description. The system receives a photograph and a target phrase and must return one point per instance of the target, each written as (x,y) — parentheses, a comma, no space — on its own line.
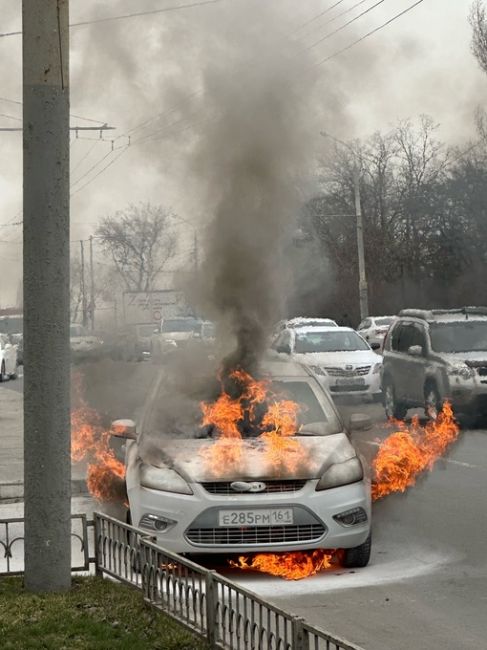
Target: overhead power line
(373,31)
(342,27)
(78,117)
(322,13)
(125,16)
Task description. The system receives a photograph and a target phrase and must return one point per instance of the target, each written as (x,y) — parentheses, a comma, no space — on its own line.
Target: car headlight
(319,370)
(164,479)
(461,370)
(338,474)
(377,368)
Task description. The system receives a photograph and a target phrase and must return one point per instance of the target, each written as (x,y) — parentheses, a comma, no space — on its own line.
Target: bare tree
(478,22)
(140,243)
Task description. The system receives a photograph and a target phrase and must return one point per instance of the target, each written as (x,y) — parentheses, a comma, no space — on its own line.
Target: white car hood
(339,359)
(185,457)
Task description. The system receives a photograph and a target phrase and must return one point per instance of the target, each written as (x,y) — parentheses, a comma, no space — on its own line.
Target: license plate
(267,517)
(351,381)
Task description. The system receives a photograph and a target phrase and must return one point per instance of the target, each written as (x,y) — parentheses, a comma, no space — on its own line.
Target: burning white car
(291,481)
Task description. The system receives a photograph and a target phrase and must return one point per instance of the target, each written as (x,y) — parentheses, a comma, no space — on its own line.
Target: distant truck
(143,312)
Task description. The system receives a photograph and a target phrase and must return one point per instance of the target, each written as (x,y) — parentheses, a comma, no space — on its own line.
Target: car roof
(376,317)
(323,328)
(304,320)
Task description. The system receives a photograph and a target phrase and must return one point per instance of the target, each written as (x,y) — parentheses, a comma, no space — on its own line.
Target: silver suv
(430,356)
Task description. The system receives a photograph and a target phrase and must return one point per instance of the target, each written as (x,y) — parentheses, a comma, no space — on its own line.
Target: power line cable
(342,27)
(125,16)
(78,117)
(373,31)
(322,13)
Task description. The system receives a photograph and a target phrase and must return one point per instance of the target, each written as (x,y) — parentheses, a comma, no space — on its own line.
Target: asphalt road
(426,585)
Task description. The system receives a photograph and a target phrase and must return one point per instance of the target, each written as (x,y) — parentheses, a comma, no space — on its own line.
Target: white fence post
(211,601)
(300,641)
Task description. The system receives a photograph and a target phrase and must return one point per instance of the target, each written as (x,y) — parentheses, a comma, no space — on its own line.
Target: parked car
(130,342)
(433,355)
(346,363)
(374,328)
(8,358)
(84,344)
(190,509)
(173,333)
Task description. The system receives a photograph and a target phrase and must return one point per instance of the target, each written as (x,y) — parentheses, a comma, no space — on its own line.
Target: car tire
(432,401)
(394,410)
(358,556)
(3,375)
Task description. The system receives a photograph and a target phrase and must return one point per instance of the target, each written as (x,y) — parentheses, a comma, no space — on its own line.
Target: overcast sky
(144,73)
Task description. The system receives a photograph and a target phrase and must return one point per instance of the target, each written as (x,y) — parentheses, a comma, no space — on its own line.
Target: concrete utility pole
(92,286)
(84,302)
(363,290)
(47,463)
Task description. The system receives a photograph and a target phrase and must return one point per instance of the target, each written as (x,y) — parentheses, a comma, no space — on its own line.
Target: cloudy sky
(146,76)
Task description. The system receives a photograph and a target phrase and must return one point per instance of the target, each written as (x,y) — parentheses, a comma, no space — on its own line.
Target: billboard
(150,306)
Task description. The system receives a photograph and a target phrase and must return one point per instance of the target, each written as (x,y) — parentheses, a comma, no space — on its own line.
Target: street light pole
(363,289)
(47,463)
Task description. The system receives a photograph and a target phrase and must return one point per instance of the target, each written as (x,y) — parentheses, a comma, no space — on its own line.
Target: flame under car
(311,493)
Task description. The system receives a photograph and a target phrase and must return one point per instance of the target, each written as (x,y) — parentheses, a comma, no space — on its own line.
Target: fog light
(351,517)
(155,522)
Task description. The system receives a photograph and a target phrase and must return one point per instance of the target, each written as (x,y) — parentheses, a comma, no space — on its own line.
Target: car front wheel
(358,556)
(394,410)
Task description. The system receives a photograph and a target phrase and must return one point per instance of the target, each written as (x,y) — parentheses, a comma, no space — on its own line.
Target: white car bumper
(195,527)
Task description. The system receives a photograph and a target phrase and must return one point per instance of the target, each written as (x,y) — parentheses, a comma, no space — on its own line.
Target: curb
(14,492)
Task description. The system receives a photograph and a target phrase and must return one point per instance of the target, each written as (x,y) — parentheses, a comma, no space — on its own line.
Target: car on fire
(192,508)
(374,328)
(435,355)
(345,363)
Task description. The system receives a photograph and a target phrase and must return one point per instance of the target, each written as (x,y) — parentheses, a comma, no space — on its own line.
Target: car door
(398,360)
(417,363)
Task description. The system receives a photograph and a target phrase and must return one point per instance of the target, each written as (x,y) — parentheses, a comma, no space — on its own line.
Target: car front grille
(223,488)
(342,372)
(255,535)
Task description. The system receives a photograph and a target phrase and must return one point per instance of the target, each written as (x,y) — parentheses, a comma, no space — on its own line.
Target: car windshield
(179,325)
(383,321)
(309,342)
(460,336)
(169,414)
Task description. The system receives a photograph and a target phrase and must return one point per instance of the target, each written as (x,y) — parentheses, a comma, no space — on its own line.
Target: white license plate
(351,381)
(267,517)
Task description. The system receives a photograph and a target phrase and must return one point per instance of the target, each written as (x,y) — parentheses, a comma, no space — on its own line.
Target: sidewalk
(12,450)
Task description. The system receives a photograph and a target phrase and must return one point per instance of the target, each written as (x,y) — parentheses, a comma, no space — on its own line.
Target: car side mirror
(283,349)
(416,350)
(360,422)
(123,429)
(375,345)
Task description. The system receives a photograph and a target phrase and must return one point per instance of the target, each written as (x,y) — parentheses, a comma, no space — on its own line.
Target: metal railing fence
(229,616)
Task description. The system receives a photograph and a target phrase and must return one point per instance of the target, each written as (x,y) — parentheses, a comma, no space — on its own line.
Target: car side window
(418,336)
(395,336)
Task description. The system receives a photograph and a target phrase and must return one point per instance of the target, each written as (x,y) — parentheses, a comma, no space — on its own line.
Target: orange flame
(405,454)
(258,409)
(91,441)
(295,565)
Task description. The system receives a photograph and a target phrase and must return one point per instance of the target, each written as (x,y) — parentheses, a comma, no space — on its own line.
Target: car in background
(374,328)
(250,507)
(84,344)
(435,355)
(173,333)
(12,325)
(130,342)
(8,358)
(346,363)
